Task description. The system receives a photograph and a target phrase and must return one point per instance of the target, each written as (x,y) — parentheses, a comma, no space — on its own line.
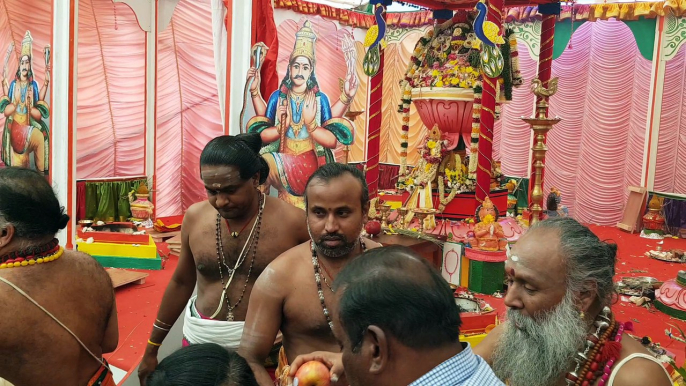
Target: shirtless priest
(226,242)
(294,292)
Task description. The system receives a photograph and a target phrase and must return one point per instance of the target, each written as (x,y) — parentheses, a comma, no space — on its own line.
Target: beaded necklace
(250,244)
(599,351)
(33,255)
(318,279)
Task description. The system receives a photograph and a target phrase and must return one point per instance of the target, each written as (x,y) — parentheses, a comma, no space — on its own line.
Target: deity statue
(511,198)
(26,112)
(488,234)
(653,221)
(141,208)
(298,122)
(432,152)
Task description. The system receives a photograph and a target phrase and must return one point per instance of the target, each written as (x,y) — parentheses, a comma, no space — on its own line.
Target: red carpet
(138,304)
(137,307)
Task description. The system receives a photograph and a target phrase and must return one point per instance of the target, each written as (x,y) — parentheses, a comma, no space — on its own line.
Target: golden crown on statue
(27,45)
(304,42)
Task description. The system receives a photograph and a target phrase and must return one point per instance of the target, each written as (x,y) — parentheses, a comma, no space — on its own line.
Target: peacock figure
(375,40)
(487,32)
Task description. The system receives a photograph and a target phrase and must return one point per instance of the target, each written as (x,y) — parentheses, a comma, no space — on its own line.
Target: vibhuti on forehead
(514,259)
(232,177)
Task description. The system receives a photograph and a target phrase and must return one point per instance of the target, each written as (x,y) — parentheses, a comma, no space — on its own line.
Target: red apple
(373,227)
(313,373)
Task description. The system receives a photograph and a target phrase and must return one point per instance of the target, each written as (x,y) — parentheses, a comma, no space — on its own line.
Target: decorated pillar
(151,97)
(238,44)
(374,67)
(487,116)
(667,44)
(63,155)
(545,65)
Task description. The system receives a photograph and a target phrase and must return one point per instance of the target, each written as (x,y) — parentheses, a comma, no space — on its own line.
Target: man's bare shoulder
(284,207)
(290,259)
(280,271)
(88,267)
(291,217)
(639,371)
(197,210)
(84,262)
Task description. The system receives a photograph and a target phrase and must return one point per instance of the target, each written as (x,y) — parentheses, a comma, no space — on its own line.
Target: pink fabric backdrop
(187,106)
(597,150)
(670,169)
(111,91)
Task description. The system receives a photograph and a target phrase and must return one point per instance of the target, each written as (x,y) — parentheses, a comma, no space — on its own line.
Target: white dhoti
(198,330)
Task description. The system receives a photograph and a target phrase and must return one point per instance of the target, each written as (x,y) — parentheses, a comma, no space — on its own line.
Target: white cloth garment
(224,333)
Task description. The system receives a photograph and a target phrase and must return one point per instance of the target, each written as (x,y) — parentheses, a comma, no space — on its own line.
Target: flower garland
(517,79)
(444,58)
(444,201)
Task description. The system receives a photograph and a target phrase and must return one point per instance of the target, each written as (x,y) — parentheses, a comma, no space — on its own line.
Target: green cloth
(109,201)
(521,192)
(643,30)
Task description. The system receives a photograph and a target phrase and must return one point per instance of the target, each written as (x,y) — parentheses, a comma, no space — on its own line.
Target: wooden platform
(121,277)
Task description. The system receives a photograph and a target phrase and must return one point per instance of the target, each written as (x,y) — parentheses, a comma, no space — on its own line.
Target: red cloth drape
(80,200)
(487,117)
(264,30)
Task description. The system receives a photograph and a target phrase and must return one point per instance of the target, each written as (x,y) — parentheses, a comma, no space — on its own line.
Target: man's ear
(586,298)
(365,212)
(256,180)
(376,348)
(6,234)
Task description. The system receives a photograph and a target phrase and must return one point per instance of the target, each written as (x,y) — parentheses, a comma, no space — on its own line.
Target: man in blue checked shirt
(397,324)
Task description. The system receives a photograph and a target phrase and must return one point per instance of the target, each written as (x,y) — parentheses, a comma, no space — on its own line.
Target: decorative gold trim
(259,118)
(298,146)
(443,93)
(455,94)
(43,103)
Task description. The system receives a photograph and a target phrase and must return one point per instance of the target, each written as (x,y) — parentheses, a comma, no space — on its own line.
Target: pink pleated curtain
(111,98)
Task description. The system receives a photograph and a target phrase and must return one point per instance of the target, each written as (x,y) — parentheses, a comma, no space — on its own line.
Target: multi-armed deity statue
(298,122)
(26,111)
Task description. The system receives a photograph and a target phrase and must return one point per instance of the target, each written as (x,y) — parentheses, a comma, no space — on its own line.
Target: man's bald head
(401,293)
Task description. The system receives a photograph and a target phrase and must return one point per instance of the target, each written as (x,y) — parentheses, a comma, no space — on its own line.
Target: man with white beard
(560,329)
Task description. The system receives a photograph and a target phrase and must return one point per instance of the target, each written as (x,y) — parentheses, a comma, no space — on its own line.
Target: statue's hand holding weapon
(282,112)
(5,85)
(350,85)
(257,78)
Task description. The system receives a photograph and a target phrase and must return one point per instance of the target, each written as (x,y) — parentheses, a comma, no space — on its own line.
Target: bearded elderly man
(560,329)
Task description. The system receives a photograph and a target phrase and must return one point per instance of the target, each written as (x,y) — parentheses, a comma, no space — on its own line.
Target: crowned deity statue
(298,122)
(26,112)
(488,233)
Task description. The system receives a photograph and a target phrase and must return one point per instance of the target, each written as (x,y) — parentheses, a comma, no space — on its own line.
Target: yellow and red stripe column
(487,116)
(545,66)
